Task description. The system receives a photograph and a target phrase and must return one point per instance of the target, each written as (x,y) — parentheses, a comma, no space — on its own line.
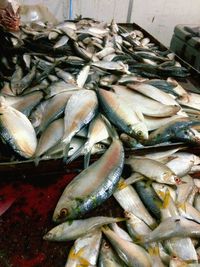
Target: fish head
(139,131)
(64,210)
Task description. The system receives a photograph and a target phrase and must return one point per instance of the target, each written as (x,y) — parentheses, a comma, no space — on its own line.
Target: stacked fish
(57,80)
(161,209)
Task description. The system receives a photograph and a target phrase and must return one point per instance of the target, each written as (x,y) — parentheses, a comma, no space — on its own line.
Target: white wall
(159,17)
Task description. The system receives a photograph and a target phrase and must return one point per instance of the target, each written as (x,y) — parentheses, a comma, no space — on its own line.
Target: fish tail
(65,152)
(36,160)
(76,154)
(87,158)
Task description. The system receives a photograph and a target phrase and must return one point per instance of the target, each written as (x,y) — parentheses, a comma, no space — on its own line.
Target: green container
(186,44)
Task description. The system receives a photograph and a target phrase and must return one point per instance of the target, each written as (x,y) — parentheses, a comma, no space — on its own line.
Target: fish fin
(36,160)
(154,251)
(121,184)
(181,206)
(166,200)
(66,151)
(87,159)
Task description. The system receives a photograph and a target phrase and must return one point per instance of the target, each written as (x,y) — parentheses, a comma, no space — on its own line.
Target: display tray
(32,193)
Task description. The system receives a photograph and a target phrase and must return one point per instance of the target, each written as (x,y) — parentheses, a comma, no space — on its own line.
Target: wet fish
(71,230)
(122,115)
(154,170)
(79,111)
(85,250)
(92,186)
(17,130)
(129,252)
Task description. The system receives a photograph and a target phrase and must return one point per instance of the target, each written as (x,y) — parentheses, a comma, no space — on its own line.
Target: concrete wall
(158,17)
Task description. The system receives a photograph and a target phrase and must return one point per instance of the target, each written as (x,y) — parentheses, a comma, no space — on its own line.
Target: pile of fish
(83,87)
(56,81)
(161,207)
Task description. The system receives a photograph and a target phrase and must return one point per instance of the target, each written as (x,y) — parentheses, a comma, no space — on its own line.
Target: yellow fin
(84,262)
(121,185)
(153,251)
(181,206)
(166,200)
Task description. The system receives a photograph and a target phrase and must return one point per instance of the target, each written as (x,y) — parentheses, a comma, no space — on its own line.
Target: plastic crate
(186,43)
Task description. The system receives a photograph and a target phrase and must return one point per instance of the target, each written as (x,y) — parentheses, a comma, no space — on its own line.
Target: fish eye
(177,180)
(63,212)
(106,245)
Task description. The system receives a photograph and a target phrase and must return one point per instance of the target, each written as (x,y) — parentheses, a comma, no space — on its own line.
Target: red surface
(27,219)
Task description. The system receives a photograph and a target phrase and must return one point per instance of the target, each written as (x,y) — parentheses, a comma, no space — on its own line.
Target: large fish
(92,186)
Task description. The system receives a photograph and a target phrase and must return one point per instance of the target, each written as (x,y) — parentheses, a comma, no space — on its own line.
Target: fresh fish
(137,228)
(130,253)
(37,114)
(97,132)
(188,211)
(120,232)
(65,76)
(129,200)
(25,103)
(82,195)
(111,66)
(153,170)
(184,190)
(54,109)
(154,252)
(79,111)
(170,130)
(60,87)
(82,76)
(147,106)
(108,258)
(61,42)
(16,77)
(85,250)
(173,227)
(154,93)
(71,230)
(122,115)
(51,136)
(149,198)
(17,130)
(180,165)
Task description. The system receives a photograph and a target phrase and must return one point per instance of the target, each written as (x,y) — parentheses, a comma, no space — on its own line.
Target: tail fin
(76,154)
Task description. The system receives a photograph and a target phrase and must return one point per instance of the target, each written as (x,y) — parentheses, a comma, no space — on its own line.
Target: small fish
(130,253)
(71,230)
(173,227)
(85,250)
(61,42)
(129,200)
(153,170)
(79,111)
(82,76)
(121,115)
(107,256)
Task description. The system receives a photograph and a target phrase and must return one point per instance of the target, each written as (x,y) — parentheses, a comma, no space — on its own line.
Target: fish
(153,170)
(129,200)
(176,226)
(17,131)
(129,252)
(50,137)
(85,250)
(97,132)
(120,232)
(80,110)
(108,257)
(54,109)
(82,76)
(71,230)
(83,194)
(148,107)
(122,115)
(149,198)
